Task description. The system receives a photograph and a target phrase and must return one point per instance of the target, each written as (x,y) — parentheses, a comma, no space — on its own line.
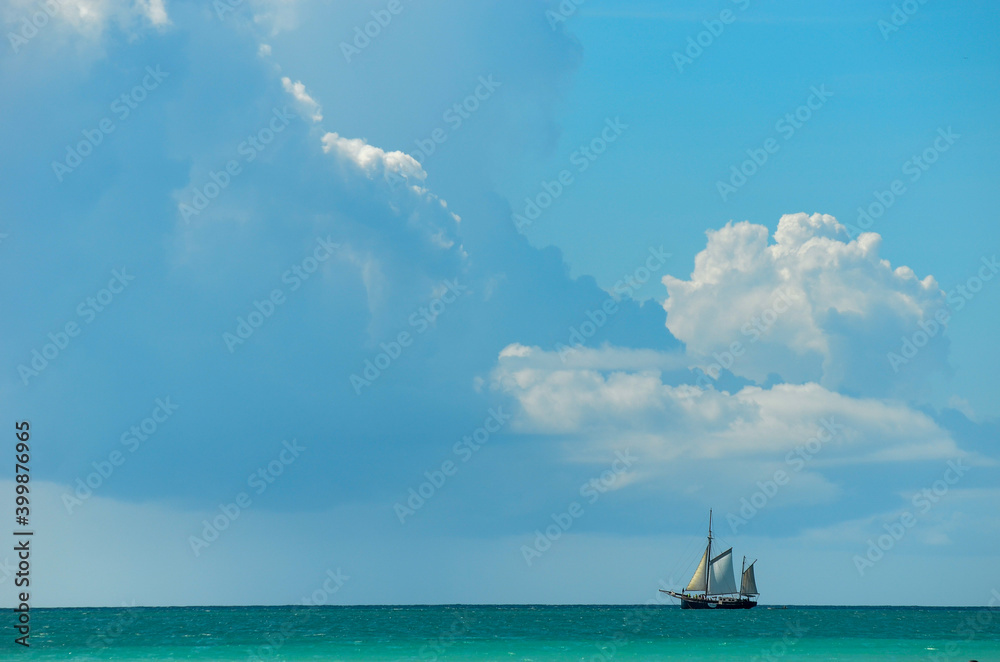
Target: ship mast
(708,568)
(742,570)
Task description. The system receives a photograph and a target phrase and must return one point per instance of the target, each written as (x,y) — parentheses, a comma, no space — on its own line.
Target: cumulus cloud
(396,167)
(608,390)
(372,160)
(813,305)
(302,98)
(615,398)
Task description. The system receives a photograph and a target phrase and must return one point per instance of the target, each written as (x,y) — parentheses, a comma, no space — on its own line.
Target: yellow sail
(699,582)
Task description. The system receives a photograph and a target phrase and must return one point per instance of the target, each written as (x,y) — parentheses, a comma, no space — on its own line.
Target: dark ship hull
(701,602)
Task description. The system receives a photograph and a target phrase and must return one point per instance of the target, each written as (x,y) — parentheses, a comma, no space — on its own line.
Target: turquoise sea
(537,633)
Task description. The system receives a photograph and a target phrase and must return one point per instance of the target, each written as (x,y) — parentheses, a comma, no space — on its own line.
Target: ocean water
(536,633)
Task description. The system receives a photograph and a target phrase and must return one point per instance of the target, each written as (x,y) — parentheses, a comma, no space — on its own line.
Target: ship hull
(701,602)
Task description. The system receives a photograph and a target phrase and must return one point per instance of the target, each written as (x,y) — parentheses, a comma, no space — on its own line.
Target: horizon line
(511,604)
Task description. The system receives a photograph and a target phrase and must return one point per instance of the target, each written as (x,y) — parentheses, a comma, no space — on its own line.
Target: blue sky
(287,319)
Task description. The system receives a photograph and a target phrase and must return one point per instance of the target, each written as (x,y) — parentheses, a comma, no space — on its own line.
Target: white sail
(749,585)
(699,582)
(723,577)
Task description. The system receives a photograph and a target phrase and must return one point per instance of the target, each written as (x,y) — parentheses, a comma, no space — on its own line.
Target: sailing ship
(713,585)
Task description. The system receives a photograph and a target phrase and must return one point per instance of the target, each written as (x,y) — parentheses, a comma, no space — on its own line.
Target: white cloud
(395,167)
(567,398)
(690,438)
(302,98)
(372,160)
(812,306)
